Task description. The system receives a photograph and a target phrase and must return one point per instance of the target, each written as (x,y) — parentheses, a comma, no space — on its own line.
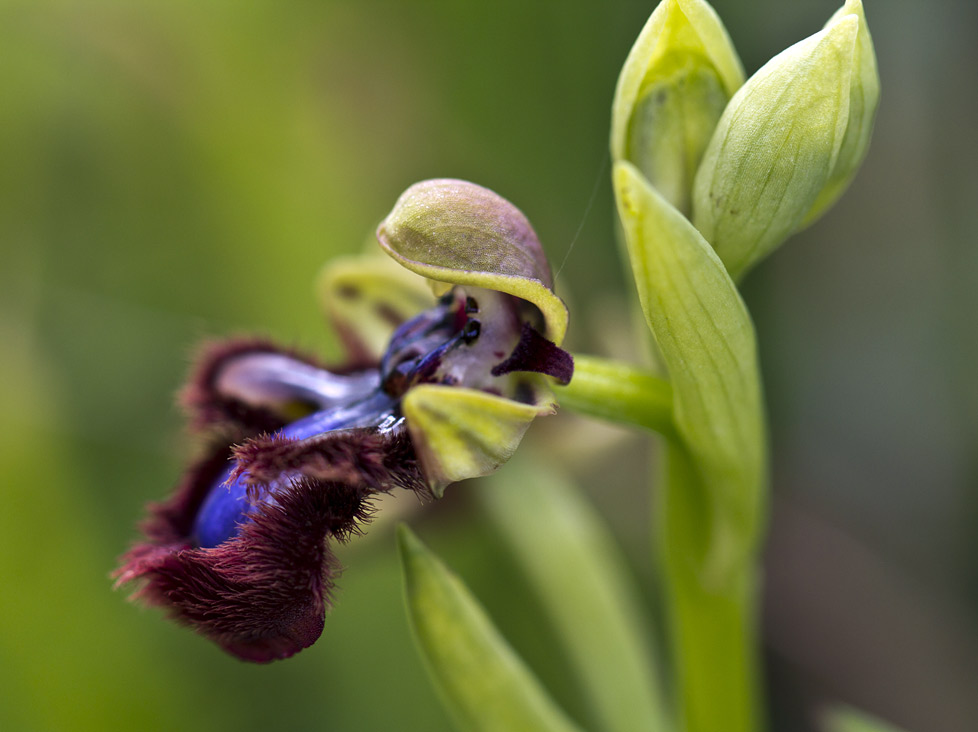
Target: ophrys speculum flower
(241,551)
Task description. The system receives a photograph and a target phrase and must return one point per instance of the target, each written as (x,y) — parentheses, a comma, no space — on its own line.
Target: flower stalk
(618,392)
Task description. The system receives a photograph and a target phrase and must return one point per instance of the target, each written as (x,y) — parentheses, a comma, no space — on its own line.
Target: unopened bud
(677,79)
(782,149)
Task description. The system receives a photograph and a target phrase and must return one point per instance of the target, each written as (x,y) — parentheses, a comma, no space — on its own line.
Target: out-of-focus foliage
(483,682)
(170,170)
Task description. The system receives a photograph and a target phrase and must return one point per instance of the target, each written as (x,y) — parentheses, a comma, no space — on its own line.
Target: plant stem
(618,392)
(713,626)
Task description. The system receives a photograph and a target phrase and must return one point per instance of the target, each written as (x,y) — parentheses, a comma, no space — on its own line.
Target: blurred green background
(174,170)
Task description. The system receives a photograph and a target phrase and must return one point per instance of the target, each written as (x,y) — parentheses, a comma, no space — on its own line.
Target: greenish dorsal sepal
(456,232)
(707,341)
(483,682)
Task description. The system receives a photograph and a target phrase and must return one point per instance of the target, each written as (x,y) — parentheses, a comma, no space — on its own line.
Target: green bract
(672,90)
(707,341)
(458,232)
(788,142)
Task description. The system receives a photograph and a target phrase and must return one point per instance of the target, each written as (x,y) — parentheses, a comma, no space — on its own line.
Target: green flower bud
(864,99)
(674,86)
(779,144)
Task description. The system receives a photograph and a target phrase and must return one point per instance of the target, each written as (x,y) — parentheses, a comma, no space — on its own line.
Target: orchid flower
(295,452)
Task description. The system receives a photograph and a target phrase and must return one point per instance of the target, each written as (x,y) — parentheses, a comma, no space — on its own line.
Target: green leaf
(484,684)
(845,719)
(775,147)
(672,89)
(580,577)
(707,341)
(458,232)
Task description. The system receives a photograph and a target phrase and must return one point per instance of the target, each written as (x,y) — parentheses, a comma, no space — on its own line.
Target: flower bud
(779,145)
(864,99)
(672,90)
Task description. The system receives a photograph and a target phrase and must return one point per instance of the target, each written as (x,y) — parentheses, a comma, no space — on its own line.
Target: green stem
(713,626)
(618,392)
(714,635)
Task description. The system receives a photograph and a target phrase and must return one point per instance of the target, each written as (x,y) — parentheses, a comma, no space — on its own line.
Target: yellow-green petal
(458,232)
(775,147)
(484,684)
(366,297)
(461,433)
(672,89)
